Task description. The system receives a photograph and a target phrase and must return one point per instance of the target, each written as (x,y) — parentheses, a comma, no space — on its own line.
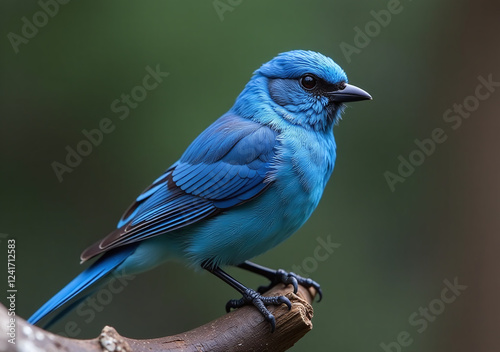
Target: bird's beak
(348,94)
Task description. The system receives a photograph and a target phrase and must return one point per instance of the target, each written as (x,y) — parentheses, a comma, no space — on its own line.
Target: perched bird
(244,185)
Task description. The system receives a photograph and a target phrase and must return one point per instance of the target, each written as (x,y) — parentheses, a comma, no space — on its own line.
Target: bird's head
(305,88)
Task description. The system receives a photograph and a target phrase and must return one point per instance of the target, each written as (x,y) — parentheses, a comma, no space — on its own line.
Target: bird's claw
(260,302)
(295,280)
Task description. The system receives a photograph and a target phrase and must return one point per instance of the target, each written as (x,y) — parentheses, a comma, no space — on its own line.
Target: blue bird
(245,184)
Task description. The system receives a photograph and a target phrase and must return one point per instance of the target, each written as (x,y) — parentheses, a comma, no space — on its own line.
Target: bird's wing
(228,164)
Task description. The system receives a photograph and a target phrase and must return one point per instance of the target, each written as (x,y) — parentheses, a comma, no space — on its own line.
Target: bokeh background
(396,247)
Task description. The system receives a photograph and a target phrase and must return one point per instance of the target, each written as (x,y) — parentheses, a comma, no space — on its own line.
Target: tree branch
(241,330)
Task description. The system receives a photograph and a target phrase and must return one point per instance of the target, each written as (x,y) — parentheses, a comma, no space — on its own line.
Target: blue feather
(79,284)
(244,185)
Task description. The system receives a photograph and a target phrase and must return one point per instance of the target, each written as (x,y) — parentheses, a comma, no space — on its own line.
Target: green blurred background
(396,248)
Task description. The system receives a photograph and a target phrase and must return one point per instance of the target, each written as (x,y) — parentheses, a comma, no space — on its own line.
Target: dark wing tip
(101,246)
(90,252)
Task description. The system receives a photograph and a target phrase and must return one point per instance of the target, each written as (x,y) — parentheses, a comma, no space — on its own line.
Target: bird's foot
(286,278)
(260,302)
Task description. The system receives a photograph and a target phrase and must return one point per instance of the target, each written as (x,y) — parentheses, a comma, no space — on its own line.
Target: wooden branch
(241,330)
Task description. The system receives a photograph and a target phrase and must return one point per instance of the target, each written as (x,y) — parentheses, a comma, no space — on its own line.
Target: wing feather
(224,167)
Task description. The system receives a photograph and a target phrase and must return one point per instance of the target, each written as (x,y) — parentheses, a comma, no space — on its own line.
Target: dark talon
(320,293)
(250,296)
(285,300)
(281,276)
(270,318)
(234,303)
(276,277)
(293,280)
(260,302)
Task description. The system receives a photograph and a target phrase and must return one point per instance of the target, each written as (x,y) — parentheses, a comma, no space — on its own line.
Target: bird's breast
(300,170)
(305,161)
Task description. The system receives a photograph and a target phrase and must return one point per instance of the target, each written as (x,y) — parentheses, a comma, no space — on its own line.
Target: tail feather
(79,284)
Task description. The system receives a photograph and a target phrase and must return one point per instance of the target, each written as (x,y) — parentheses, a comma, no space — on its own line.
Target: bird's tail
(80,284)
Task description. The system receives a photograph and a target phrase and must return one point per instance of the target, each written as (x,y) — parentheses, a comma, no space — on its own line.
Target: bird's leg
(249,296)
(280,276)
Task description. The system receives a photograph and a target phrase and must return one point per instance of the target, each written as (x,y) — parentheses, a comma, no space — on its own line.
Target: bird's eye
(308,82)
